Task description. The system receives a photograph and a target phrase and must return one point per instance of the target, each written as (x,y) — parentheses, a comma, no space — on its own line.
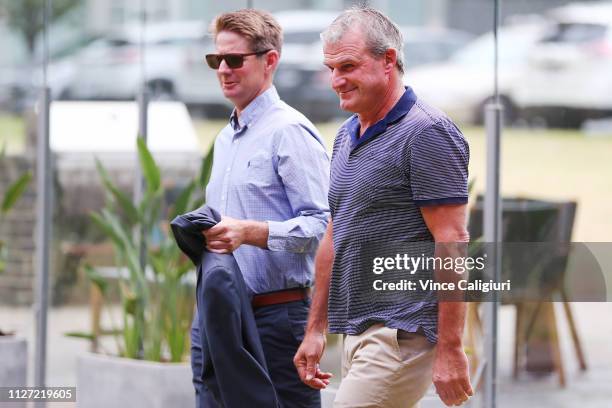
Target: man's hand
(450,375)
(226,236)
(230,233)
(307,359)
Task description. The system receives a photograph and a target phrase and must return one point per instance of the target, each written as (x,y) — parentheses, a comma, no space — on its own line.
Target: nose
(223,68)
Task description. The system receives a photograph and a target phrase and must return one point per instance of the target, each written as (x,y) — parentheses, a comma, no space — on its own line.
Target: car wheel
(65,95)
(573,118)
(161,90)
(216,111)
(555,117)
(510,111)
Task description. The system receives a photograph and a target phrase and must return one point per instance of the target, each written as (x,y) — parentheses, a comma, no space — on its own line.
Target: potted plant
(156,302)
(13,349)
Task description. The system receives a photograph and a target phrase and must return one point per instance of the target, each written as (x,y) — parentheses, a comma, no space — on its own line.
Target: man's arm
(303,166)
(447,224)
(309,354)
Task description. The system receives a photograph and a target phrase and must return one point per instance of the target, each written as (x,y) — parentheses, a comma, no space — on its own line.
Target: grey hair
(380,32)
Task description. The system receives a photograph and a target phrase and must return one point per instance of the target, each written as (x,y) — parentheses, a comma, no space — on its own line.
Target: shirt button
(228,169)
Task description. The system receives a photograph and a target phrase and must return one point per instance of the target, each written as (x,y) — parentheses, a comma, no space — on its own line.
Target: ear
(272,58)
(390,60)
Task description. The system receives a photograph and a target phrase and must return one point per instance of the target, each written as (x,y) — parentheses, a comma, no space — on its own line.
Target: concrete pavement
(592,389)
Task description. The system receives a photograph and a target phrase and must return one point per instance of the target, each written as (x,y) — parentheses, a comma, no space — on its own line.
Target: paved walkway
(592,389)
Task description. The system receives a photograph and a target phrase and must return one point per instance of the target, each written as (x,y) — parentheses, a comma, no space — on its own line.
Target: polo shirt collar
(401,108)
(254,110)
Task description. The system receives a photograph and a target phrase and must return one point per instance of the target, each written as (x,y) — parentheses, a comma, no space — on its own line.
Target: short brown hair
(259,27)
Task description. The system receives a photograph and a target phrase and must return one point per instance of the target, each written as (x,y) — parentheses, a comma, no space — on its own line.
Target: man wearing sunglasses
(269,181)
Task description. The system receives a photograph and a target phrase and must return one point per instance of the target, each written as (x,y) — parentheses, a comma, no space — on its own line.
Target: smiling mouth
(345,92)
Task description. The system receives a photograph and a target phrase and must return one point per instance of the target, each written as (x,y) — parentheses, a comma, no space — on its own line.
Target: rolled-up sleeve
(303,166)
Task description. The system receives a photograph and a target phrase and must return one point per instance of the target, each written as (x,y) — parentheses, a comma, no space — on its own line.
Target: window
(575,33)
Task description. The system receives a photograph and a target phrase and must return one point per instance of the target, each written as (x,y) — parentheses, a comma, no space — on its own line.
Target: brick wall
(17,230)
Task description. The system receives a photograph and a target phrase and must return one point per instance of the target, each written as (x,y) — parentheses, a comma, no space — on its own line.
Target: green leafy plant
(157,304)
(11,196)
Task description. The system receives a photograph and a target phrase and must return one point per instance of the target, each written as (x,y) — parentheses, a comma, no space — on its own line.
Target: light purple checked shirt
(271,165)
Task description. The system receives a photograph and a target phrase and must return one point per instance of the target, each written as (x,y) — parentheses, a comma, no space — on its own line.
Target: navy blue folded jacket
(232,364)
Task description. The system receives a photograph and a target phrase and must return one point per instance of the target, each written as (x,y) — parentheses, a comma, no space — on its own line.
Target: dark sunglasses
(232,60)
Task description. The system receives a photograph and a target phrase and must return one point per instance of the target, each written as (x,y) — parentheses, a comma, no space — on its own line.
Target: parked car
(304,82)
(463,84)
(568,77)
(21,73)
(113,67)
(110,67)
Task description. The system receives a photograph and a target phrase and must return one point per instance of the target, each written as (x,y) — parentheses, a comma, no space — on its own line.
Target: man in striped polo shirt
(398,177)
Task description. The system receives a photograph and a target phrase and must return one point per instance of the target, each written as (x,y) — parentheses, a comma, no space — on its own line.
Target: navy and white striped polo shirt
(415,156)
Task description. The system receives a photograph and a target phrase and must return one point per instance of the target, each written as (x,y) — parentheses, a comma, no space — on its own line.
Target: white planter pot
(13,364)
(105,381)
(14,361)
(327,397)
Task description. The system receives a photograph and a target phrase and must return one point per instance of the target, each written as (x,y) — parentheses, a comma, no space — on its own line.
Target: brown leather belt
(279,297)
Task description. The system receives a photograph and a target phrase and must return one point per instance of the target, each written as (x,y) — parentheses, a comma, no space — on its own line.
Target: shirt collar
(254,110)
(401,108)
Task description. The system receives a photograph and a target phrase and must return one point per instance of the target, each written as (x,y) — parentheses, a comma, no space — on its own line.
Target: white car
(113,66)
(462,85)
(568,77)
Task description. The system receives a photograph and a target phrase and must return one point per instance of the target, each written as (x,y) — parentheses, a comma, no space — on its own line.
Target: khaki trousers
(383,370)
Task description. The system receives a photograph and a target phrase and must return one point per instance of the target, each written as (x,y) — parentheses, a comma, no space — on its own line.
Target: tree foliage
(27,16)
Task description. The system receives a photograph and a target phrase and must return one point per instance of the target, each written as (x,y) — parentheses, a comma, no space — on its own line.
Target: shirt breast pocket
(260,171)
(259,161)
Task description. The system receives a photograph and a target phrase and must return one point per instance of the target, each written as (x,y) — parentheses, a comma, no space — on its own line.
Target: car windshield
(514,46)
(575,33)
(423,52)
(301,37)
